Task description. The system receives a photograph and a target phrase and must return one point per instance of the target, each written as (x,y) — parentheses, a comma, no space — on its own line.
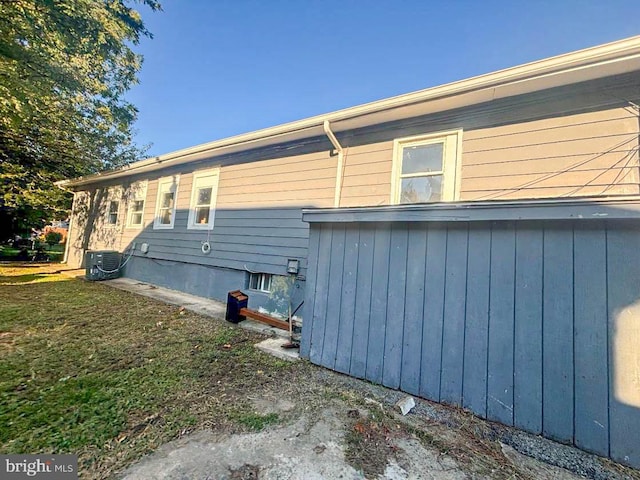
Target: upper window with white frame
(137,196)
(203,199)
(426,168)
(166,202)
(112,214)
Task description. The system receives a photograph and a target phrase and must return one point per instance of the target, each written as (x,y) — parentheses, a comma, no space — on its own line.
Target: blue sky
(219,68)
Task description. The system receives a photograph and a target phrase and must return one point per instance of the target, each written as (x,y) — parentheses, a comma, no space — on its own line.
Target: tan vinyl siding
(90,230)
(575,155)
(593,153)
(258,221)
(303,180)
(367,175)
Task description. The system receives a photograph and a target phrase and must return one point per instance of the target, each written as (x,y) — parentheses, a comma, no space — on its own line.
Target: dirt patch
(245,472)
(369,444)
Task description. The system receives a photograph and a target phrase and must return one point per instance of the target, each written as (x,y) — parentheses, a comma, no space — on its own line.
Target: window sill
(199,227)
(264,292)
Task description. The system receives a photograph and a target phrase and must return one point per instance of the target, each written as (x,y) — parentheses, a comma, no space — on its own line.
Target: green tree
(65,66)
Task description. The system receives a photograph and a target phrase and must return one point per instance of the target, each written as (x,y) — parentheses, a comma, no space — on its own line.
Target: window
(112,216)
(203,199)
(137,209)
(260,281)
(137,194)
(165,205)
(425,168)
(111,202)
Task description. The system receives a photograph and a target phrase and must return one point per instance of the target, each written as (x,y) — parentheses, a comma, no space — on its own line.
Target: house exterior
(447,181)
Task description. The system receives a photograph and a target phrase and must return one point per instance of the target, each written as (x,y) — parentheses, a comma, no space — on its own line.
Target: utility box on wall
(102,264)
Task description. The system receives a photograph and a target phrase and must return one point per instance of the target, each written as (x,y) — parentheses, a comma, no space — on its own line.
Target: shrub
(53,238)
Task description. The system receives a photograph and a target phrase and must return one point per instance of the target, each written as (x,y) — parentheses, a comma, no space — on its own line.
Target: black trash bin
(235,301)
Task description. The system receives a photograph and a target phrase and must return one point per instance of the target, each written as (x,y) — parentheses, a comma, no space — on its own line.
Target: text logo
(49,467)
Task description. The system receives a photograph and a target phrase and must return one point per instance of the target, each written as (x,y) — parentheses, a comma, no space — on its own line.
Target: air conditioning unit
(102,264)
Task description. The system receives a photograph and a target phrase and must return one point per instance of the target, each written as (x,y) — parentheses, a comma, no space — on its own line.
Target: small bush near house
(53,238)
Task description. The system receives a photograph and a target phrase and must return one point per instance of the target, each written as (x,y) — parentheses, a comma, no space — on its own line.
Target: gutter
(596,62)
(336,144)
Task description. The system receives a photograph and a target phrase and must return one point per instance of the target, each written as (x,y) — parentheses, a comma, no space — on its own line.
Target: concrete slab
(203,306)
(273,346)
(277,454)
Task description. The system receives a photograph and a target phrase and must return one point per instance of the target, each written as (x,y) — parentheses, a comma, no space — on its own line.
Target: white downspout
(334,141)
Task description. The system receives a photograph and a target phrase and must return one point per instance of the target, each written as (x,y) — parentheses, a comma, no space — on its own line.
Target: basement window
(425,168)
(260,282)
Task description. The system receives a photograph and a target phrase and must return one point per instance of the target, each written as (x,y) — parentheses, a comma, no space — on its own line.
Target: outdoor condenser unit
(102,264)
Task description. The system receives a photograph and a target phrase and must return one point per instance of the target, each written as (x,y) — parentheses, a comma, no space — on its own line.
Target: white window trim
(114,194)
(215,173)
(451,162)
(175,182)
(141,189)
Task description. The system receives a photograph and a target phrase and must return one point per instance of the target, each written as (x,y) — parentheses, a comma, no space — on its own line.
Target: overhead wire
(554,174)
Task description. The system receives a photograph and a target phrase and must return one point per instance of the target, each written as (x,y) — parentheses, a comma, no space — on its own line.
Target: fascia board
(588,64)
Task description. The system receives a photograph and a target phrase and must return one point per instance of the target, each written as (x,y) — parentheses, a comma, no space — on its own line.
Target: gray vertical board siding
(347,303)
(527,374)
(557,336)
(334,296)
(430,367)
(310,292)
(318,323)
(590,337)
(530,323)
(378,318)
(414,309)
(396,296)
(361,330)
(501,323)
(623,287)
(477,320)
(453,332)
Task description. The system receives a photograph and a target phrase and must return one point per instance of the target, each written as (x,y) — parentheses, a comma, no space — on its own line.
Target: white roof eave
(597,62)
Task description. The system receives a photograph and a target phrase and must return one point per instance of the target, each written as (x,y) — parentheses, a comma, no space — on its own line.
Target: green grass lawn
(55,252)
(110,376)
